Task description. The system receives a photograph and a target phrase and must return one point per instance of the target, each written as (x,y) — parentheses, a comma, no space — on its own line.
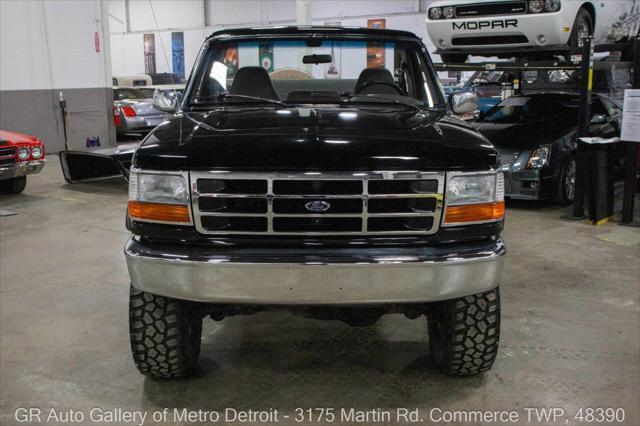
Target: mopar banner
(375,51)
(177,53)
(231,60)
(149,54)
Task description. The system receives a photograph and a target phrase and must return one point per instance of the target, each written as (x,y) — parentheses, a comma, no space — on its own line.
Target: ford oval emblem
(317,206)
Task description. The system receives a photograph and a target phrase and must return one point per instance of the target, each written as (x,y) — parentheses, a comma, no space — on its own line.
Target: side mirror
(598,119)
(167,100)
(464,102)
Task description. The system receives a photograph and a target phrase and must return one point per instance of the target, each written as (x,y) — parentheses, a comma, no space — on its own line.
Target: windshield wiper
(386,100)
(208,101)
(226,95)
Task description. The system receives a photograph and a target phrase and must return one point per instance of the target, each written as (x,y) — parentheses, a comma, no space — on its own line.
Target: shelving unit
(586,66)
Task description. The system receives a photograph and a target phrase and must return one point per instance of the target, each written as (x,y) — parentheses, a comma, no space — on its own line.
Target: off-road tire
(454,58)
(14,185)
(464,333)
(165,335)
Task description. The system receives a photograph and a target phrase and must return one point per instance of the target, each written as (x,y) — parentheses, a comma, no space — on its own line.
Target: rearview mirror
(598,119)
(316,59)
(463,102)
(167,100)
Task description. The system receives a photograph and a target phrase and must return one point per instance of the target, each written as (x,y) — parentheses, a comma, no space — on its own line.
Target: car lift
(585,64)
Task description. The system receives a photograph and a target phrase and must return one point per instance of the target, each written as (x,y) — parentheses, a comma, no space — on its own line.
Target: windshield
(128,93)
(526,109)
(286,72)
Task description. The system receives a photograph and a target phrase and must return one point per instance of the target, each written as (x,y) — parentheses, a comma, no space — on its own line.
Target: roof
(301,31)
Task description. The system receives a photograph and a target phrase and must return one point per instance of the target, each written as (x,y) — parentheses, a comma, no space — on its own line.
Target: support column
(303,12)
(303,17)
(582,184)
(631,171)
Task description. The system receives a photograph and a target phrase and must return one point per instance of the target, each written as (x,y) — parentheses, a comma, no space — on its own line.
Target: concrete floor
(570,335)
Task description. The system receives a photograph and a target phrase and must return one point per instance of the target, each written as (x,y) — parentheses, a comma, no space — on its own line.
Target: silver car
(133,111)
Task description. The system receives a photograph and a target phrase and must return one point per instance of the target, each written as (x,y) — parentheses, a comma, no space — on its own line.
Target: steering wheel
(366,84)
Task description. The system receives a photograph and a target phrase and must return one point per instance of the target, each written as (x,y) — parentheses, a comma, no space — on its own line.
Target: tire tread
(470,332)
(165,337)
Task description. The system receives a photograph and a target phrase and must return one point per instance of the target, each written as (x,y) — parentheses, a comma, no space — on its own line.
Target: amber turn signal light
(474,213)
(159,212)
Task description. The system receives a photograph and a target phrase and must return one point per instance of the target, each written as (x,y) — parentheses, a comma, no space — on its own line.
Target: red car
(20,155)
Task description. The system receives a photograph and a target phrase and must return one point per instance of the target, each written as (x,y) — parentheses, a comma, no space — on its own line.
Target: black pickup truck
(318,170)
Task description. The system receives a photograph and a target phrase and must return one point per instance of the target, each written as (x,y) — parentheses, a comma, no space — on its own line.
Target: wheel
(14,185)
(567,182)
(165,335)
(582,27)
(464,333)
(454,58)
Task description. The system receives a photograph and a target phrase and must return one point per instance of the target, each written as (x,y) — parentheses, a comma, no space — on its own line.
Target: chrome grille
(359,203)
(507,158)
(7,156)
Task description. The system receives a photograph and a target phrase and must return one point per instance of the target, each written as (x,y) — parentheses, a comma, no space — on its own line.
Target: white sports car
(504,28)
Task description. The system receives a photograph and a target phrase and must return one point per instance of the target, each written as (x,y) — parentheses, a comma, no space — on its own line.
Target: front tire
(464,333)
(582,26)
(567,182)
(165,335)
(14,185)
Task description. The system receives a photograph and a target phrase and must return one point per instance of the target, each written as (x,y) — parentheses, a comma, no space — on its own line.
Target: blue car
(487,85)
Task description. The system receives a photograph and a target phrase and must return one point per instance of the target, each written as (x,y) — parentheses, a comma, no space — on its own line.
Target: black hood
(521,136)
(317,138)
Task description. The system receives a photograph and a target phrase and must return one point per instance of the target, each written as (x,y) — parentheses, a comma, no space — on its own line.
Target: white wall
(168,14)
(127,50)
(213,13)
(50,44)
(48,47)
(236,12)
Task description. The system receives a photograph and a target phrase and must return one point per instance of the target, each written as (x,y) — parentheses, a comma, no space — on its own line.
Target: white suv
(507,28)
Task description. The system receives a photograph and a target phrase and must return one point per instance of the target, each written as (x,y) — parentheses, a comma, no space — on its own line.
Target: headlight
(474,198)
(159,197)
(552,5)
(23,153)
(449,12)
(536,6)
(36,152)
(161,188)
(539,157)
(435,13)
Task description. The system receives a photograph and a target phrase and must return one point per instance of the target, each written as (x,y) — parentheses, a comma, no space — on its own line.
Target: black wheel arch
(589,7)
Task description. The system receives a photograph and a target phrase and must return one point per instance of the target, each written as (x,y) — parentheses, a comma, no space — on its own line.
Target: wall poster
(231,60)
(177,53)
(375,51)
(149,54)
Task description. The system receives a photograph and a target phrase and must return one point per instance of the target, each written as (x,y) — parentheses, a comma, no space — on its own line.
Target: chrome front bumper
(21,169)
(315,276)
